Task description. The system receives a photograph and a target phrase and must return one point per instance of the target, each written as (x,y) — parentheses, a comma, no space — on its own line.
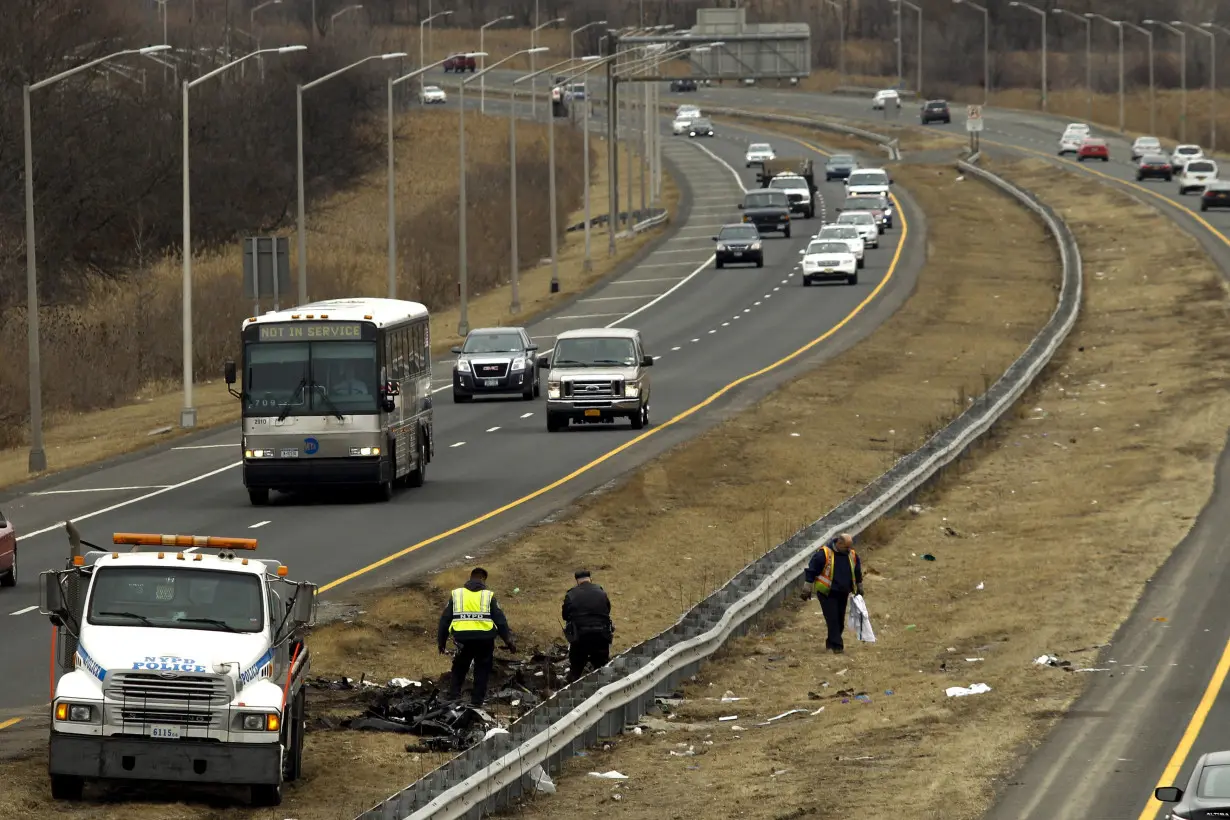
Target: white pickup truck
(177,665)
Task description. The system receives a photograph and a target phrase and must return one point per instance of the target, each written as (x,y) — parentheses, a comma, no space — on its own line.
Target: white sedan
(432,94)
(1196,175)
(683,123)
(1184,154)
(848,234)
(828,261)
(1146,145)
(885,98)
(865,223)
(1070,142)
(759,152)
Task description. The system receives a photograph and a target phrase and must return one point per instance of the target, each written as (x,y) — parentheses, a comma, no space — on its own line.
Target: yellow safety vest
(824,581)
(472,611)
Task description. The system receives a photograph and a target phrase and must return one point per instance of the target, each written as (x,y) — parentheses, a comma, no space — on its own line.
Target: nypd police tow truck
(177,665)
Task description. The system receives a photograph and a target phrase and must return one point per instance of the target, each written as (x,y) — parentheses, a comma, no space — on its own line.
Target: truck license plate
(593,412)
(491,382)
(290,454)
(164,732)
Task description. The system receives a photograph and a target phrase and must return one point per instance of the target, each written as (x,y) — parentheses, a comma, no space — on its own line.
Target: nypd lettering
(82,660)
(168,663)
(263,668)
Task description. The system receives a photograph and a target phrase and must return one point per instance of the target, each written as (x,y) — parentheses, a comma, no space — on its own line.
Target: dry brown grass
(1116,450)
(127,383)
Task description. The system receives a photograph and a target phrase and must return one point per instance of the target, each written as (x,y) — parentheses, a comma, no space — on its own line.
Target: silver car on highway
(595,376)
(1207,793)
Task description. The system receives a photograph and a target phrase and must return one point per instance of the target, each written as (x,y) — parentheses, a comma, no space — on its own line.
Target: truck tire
(297,727)
(554,423)
(258,496)
(267,794)
(67,787)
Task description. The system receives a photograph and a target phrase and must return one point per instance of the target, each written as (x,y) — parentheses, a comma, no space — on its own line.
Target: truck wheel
(717,263)
(267,794)
(640,419)
(258,496)
(418,476)
(554,424)
(297,727)
(9,579)
(66,787)
(460,398)
(787,232)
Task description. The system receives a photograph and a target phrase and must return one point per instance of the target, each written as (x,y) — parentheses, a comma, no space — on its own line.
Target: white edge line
(100,490)
(166,489)
(202,446)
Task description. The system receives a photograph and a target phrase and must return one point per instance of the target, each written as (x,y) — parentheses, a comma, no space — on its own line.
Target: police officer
(474,619)
(834,572)
(587,625)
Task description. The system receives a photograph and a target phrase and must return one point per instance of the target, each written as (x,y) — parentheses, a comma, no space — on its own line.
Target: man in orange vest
(834,573)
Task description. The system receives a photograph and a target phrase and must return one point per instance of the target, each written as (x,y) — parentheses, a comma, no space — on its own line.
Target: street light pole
(1087,19)
(187,417)
(534,72)
(422,23)
(333,19)
(1042,14)
(986,48)
(514,260)
(1152,99)
(482,47)
(841,41)
(302,223)
(1117,24)
(1204,29)
(1182,72)
(463,322)
(37,460)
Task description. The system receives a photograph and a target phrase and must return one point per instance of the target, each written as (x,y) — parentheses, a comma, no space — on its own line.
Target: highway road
(495,469)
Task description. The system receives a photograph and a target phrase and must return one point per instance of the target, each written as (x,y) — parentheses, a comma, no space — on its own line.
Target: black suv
(935,111)
(495,361)
(683,85)
(767,209)
(738,243)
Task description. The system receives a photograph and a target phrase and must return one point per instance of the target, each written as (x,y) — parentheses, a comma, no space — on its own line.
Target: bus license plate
(164,732)
(290,454)
(491,382)
(593,412)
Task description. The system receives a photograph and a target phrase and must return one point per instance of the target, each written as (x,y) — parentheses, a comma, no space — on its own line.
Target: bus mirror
(228,372)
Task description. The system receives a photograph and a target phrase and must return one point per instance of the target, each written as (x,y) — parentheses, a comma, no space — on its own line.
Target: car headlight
(463,365)
(632,390)
(723,247)
(365,451)
(261,722)
(552,390)
(518,364)
(692,133)
(756,246)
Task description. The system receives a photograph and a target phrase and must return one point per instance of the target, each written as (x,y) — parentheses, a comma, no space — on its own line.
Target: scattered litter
(688,752)
(926,556)
(910,626)
(402,683)
(516,590)
(729,699)
(497,730)
(864,757)
(737,728)
(782,715)
(981,585)
(1051,660)
(541,780)
(469,557)
(974,660)
(844,671)
(916,509)
(818,711)
(1092,669)
(962,691)
(611,775)
(636,730)
(729,717)
(795,435)
(862,698)
(889,692)
(1161,620)
(779,773)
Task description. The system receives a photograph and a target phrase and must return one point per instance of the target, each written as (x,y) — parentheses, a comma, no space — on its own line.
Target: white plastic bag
(859,620)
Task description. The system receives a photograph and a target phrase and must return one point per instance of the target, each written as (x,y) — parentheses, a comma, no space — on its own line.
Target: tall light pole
(302,223)
(392,181)
(187,416)
(255,9)
(1203,28)
(1119,26)
(37,461)
(841,34)
(347,10)
(1152,97)
(482,69)
(422,23)
(534,60)
(919,11)
(572,54)
(1087,19)
(1042,14)
(513,261)
(1182,35)
(986,47)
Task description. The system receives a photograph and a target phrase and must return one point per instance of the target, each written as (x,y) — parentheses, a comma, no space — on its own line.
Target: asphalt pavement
(495,469)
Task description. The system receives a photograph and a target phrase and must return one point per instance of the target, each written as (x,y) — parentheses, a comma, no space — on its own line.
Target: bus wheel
(384,491)
(418,475)
(259,496)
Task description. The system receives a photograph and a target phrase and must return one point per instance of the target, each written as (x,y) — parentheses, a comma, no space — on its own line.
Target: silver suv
(596,376)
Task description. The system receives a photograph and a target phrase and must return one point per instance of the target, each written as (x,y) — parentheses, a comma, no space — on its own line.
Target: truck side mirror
(51,596)
(544,360)
(647,361)
(740,206)
(305,603)
(531,348)
(228,372)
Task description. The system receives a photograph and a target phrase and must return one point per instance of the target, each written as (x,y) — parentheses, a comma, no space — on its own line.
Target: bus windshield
(310,378)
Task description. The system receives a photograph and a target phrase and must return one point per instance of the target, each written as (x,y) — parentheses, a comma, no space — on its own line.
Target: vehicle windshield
(701,122)
(868,178)
(1154,159)
(608,351)
(432,88)
(493,343)
(1214,783)
(1148,142)
(759,148)
(827,247)
(862,203)
(787,182)
(1187,149)
(839,232)
(841,159)
(937,105)
(738,232)
(309,378)
(1201,167)
(765,199)
(176,597)
(857,219)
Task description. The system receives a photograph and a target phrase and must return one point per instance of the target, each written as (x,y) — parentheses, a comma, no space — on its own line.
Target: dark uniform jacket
(587,611)
(497,615)
(843,584)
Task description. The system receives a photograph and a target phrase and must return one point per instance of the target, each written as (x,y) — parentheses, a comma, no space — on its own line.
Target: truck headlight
(261,722)
(463,365)
(75,712)
(552,390)
(632,390)
(518,364)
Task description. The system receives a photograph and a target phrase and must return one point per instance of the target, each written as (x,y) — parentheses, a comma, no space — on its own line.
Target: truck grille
(593,389)
(489,370)
(795,197)
(143,688)
(169,717)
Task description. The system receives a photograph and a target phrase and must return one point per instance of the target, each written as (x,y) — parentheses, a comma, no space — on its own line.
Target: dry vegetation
(971,315)
(1115,450)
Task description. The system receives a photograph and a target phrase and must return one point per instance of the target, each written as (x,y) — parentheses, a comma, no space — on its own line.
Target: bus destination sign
(310,332)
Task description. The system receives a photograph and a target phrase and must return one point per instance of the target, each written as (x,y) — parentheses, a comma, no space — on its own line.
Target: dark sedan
(1216,195)
(738,244)
(495,361)
(683,85)
(8,553)
(701,127)
(1208,789)
(935,111)
(1154,166)
(767,210)
(839,166)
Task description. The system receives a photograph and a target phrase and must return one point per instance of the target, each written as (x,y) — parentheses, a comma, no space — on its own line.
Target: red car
(8,553)
(1093,149)
(459,63)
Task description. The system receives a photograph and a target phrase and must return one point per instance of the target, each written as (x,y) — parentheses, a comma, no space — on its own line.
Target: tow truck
(176,664)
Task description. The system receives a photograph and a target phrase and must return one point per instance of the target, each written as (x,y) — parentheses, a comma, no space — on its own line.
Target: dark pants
(593,648)
(833,606)
(482,654)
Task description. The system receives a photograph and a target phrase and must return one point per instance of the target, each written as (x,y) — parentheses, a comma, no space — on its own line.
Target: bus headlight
(518,364)
(258,453)
(365,451)
(463,365)
(552,390)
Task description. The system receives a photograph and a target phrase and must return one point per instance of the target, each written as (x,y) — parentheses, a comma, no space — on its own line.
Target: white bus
(335,393)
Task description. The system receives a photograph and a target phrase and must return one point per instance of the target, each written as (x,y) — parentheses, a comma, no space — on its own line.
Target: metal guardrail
(653,221)
(494,772)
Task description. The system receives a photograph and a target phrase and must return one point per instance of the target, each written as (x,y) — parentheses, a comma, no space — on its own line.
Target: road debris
(964,691)
(611,775)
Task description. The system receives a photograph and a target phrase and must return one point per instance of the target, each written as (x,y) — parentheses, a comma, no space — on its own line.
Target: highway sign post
(973,124)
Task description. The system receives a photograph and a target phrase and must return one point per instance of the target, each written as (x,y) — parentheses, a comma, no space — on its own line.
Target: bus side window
(420,359)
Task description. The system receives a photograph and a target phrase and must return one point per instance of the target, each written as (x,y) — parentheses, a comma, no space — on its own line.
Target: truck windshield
(765,199)
(309,378)
(176,598)
(869,178)
(596,352)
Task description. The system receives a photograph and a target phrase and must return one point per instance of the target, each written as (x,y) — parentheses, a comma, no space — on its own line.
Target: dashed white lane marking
(24,611)
(492,429)
(655,358)
(695,340)
(747,310)
(457,444)
(674,349)
(526,415)
(259,524)
(757,302)
(724,324)
(102,490)
(713,331)
(203,446)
